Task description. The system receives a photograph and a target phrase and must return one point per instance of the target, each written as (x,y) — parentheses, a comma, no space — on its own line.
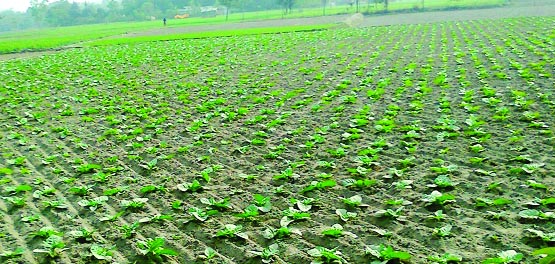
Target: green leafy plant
(154,249)
(7,254)
(194,186)
(156,218)
(325,255)
(548,255)
(129,230)
(336,231)
(208,254)
(345,215)
(88,168)
(220,205)
(81,191)
(102,252)
(282,232)
(442,181)
(396,214)
(444,231)
(438,198)
(386,253)
(135,204)
(83,235)
(250,212)
(315,185)
(200,214)
(53,246)
(262,203)
(94,203)
(536,214)
(484,202)
(46,232)
(354,201)
(445,258)
(509,256)
(267,253)
(231,231)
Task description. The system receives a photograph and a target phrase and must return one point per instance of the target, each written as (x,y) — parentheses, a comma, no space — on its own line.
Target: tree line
(48,13)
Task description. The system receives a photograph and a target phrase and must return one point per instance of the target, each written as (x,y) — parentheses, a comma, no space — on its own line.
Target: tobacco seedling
(58,204)
(262,203)
(81,191)
(82,235)
(30,218)
(442,181)
(536,185)
(231,231)
(154,249)
(129,230)
(359,184)
(88,168)
(46,232)
(94,203)
(135,204)
(292,214)
(111,218)
(46,192)
(445,258)
(156,218)
(5,255)
(484,202)
(386,253)
(101,252)
(316,185)
(194,186)
(438,215)
(18,189)
(17,202)
(287,174)
(354,201)
(548,255)
(249,213)
(114,191)
(282,232)
(336,231)
(345,215)
(547,237)
(509,256)
(151,188)
(536,214)
(200,214)
(53,246)
(390,213)
(208,254)
(438,198)
(444,231)
(324,255)
(220,205)
(267,253)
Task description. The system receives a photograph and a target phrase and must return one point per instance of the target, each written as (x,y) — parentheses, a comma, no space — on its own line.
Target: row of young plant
(131,141)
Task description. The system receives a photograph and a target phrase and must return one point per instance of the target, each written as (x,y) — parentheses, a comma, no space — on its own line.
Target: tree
(287,5)
(227,4)
(324,3)
(38,10)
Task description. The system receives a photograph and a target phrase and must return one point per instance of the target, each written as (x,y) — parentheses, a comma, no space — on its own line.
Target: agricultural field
(425,143)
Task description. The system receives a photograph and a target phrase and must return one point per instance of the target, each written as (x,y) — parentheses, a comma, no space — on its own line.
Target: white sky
(22,5)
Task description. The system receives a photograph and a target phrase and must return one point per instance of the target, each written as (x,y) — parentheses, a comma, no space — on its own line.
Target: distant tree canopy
(67,12)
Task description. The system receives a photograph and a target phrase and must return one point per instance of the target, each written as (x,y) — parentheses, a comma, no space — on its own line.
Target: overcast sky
(22,5)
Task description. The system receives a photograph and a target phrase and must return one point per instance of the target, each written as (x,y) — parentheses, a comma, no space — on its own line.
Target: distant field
(43,39)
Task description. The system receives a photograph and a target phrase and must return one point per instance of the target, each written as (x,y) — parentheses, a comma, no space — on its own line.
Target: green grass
(48,38)
(208,34)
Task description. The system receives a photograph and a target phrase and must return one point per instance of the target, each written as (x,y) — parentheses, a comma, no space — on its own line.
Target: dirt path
(519,9)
